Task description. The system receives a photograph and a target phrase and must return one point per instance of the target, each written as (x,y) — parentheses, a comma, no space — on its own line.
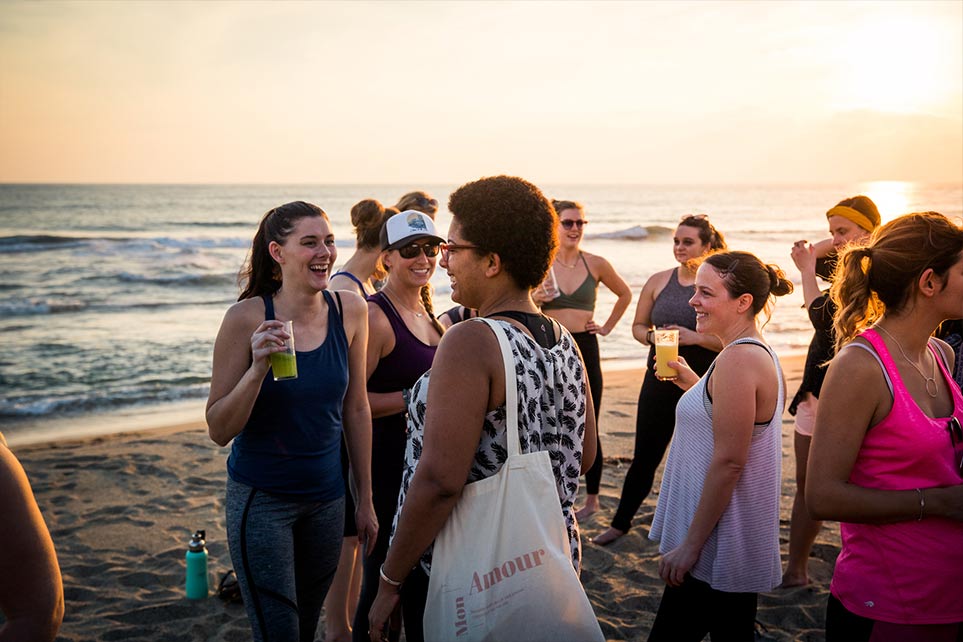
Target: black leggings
(842,625)
(588,344)
(654,423)
(387,468)
(688,612)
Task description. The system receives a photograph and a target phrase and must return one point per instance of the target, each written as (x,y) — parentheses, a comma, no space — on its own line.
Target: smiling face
(307,254)
(686,244)
(570,236)
(715,308)
(845,231)
(462,266)
(416,271)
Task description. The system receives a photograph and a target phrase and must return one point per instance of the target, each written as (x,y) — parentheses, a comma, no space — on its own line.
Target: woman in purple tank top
(887,450)
(403,336)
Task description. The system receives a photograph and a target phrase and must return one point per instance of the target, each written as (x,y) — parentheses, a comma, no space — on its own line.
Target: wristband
(919,491)
(649,334)
(388,580)
(406,397)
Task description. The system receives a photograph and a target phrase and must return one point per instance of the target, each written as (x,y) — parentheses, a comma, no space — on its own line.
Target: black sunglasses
(412,250)
(956,437)
(426,202)
(569,223)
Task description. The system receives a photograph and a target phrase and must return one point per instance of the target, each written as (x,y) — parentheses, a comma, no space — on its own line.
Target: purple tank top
(410,358)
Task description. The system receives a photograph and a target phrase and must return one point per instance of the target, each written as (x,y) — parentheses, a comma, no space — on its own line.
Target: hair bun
(779,285)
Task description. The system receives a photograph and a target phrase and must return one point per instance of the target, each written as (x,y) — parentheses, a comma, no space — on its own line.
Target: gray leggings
(285,554)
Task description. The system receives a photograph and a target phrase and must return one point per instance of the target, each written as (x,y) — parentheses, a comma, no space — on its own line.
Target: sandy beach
(121,509)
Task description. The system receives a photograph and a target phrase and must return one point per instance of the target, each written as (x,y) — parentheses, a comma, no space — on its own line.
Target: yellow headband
(853,215)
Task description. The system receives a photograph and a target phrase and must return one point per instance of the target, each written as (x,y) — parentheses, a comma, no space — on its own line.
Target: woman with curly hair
(500,243)
(887,450)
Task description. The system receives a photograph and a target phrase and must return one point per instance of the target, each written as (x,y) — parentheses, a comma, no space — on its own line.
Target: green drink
(284,365)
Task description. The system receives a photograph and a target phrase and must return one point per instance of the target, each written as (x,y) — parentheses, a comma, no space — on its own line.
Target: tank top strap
(585,263)
(889,365)
(268,307)
(394,317)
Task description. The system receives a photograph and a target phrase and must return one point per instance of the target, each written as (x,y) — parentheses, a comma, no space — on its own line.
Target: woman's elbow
(819,502)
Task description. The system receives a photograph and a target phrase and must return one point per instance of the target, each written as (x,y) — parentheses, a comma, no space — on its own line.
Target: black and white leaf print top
(551,416)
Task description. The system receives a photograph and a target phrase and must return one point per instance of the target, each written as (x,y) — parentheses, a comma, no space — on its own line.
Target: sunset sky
(435,92)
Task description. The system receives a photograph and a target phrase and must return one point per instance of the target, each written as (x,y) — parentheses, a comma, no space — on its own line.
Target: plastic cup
(284,365)
(666,350)
(549,286)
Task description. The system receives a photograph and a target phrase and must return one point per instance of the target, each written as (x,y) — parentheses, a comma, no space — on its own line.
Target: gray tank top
(672,307)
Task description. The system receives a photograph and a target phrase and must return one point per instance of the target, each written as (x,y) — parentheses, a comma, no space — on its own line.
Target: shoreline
(121,507)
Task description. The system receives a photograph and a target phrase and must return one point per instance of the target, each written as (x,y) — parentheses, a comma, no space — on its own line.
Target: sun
(895,64)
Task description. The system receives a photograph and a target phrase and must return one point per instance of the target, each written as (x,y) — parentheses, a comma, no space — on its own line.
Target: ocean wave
(44,406)
(35,306)
(179,280)
(634,233)
(39,242)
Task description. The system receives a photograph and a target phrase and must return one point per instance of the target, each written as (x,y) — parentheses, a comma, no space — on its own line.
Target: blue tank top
(290,445)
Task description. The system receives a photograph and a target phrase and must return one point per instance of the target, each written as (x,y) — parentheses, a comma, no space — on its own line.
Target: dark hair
(561,206)
(261,274)
(511,217)
(882,275)
(743,273)
(419,201)
(708,234)
(367,218)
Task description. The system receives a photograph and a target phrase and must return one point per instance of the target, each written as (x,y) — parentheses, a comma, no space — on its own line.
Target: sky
(444,92)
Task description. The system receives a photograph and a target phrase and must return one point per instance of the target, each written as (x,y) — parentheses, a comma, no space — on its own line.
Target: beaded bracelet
(919,491)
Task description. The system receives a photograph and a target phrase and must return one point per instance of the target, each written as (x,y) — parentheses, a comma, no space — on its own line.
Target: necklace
(412,310)
(929,380)
(566,265)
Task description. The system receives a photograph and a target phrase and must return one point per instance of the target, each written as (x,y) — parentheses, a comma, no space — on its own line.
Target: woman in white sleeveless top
(717,519)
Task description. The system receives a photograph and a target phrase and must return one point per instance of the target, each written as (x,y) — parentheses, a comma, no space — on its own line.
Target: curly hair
(261,274)
(510,217)
(708,234)
(744,273)
(883,275)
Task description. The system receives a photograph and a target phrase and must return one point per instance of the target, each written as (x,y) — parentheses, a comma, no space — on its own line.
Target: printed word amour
(521,563)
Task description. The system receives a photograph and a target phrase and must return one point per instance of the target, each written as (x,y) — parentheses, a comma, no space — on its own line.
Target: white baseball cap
(406,227)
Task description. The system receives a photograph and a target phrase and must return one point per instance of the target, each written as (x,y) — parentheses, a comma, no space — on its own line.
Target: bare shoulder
(342,283)
(657,281)
(245,314)
(744,360)
(947,352)
(352,304)
(469,342)
(855,369)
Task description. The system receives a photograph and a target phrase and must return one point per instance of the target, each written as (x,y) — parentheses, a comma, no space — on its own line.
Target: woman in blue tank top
(664,303)
(285,497)
(403,337)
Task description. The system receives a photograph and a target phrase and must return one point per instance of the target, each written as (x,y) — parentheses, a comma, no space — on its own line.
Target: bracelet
(648,335)
(406,397)
(391,582)
(919,491)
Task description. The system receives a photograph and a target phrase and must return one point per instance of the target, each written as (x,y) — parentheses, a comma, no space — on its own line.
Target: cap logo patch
(416,222)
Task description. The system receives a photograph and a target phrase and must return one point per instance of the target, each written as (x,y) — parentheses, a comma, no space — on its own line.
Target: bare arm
(804,256)
(842,420)
(241,361)
(614,282)
(31,592)
(357,416)
(742,389)
(642,322)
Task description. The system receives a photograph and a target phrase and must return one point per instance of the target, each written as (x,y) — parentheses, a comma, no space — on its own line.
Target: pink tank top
(910,572)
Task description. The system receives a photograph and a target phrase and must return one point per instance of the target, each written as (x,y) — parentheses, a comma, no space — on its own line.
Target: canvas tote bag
(502,565)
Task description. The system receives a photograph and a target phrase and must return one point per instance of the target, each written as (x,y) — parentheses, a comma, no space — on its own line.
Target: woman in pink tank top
(887,446)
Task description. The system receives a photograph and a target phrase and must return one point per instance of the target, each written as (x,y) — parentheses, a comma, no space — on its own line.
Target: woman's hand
(385,609)
(686,377)
(804,256)
(367,524)
(676,563)
(594,328)
(268,339)
(540,296)
(687,337)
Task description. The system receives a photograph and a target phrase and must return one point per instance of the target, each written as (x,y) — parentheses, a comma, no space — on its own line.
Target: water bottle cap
(197,541)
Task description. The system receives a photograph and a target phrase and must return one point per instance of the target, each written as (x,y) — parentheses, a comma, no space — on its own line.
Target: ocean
(112,295)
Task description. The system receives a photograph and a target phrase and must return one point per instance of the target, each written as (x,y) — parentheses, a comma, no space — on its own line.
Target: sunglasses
(426,202)
(446,248)
(412,250)
(956,437)
(569,223)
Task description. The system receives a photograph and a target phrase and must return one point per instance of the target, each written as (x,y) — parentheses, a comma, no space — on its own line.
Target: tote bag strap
(511,387)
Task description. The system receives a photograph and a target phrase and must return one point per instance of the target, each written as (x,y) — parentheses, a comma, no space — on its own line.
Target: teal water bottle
(197,587)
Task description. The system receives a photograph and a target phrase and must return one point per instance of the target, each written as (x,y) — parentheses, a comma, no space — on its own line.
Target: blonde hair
(420,202)
(882,275)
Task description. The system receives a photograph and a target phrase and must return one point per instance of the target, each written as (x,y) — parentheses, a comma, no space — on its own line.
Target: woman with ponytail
(404,335)
(363,270)
(717,520)
(887,450)
(285,496)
